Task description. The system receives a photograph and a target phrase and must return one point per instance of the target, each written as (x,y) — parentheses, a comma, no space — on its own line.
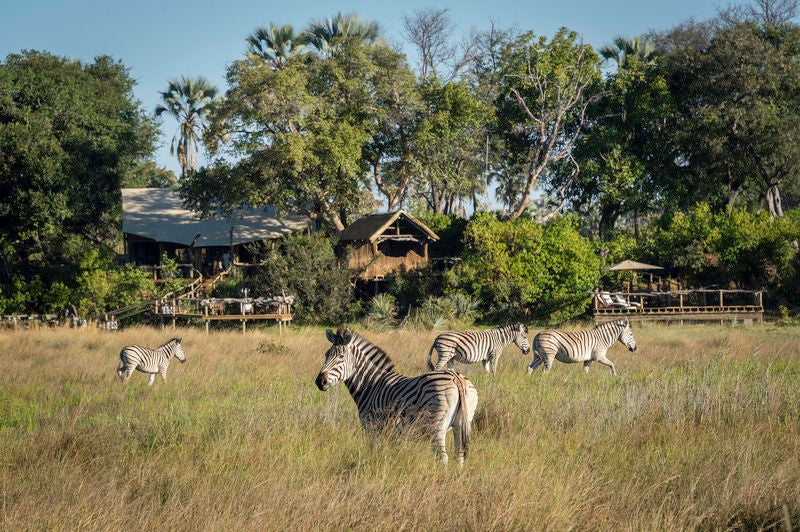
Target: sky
(159,40)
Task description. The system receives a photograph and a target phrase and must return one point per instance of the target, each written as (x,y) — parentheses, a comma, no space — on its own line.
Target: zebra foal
(440,400)
(146,360)
(469,347)
(581,346)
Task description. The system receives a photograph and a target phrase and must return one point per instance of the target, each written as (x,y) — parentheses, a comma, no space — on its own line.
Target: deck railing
(744,306)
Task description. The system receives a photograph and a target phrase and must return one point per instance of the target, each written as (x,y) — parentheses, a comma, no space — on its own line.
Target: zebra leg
(490,364)
(152,378)
(129,369)
(603,360)
(537,359)
(444,359)
(586,365)
(438,445)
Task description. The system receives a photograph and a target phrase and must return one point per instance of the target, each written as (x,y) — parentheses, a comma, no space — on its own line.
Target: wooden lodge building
(383,243)
(155,222)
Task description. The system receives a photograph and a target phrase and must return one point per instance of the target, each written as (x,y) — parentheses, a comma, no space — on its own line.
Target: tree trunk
(774,201)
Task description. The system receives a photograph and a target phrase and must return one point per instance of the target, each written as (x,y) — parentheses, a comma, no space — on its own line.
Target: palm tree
(190,102)
(624,49)
(275,44)
(321,34)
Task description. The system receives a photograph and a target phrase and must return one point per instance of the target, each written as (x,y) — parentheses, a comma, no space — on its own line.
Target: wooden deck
(731,306)
(226,309)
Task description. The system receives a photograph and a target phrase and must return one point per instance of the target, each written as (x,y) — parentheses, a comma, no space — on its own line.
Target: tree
(396,106)
(546,90)
(299,134)
(521,269)
(275,44)
(622,147)
(739,120)
(448,141)
(69,133)
(623,50)
(148,175)
(322,34)
(430,31)
(190,101)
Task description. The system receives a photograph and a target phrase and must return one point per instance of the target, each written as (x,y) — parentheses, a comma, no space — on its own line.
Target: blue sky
(159,40)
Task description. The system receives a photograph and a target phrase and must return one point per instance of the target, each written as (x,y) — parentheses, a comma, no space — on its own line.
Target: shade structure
(631,265)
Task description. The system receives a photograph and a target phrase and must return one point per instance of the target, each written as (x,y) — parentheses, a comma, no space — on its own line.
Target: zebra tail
(430,354)
(462,423)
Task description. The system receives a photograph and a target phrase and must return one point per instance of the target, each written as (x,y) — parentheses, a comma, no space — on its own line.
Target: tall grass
(700,430)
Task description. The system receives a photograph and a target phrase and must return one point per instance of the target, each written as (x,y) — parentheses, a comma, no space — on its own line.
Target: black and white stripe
(469,347)
(146,360)
(441,400)
(581,346)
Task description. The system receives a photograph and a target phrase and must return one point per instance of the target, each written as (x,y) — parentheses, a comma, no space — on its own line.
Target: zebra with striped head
(581,346)
(440,400)
(469,347)
(146,360)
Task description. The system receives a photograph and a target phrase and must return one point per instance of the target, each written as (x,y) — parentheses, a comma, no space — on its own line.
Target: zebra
(477,346)
(581,346)
(441,400)
(146,360)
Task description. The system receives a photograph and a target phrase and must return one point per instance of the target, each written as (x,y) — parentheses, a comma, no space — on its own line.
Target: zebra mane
(172,341)
(616,324)
(368,350)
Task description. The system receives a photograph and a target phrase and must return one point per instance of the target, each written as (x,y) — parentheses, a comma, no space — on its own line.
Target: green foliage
(382,310)
(739,248)
(103,285)
(306,267)
(520,269)
(450,230)
(447,143)
(69,134)
(410,288)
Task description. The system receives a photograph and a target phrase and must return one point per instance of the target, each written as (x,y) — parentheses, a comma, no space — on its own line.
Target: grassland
(700,430)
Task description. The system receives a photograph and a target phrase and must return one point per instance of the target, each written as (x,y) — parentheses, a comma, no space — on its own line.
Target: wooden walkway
(682,306)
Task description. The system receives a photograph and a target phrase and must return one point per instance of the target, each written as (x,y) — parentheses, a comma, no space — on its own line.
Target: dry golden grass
(700,430)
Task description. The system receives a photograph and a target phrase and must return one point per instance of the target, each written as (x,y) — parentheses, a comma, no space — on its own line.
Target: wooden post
(720,299)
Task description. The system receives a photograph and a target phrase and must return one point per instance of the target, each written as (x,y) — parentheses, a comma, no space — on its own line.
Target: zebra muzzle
(322,381)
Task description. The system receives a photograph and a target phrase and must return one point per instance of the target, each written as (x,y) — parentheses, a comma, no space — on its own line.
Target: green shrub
(305,266)
(520,269)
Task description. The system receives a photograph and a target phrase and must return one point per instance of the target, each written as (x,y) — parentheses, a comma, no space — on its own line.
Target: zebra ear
(346,335)
(331,336)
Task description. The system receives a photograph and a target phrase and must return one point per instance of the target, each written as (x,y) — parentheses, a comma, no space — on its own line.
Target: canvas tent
(154,221)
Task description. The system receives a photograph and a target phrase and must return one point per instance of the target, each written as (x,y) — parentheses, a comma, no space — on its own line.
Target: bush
(520,269)
(306,267)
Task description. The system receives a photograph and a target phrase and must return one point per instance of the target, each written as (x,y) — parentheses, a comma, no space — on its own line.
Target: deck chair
(621,301)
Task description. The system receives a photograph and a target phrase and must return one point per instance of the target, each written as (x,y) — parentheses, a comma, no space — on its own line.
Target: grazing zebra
(581,346)
(477,346)
(146,360)
(441,400)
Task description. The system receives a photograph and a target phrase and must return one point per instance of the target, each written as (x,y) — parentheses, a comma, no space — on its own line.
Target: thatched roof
(158,214)
(374,226)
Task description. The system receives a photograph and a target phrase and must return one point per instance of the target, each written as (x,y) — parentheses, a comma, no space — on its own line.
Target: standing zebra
(152,361)
(581,346)
(469,347)
(441,400)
